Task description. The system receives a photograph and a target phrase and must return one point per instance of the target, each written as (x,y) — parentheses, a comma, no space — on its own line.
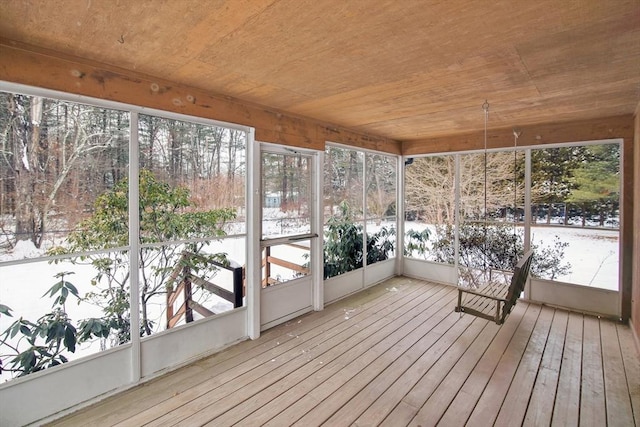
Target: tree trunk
(602,216)
(25,165)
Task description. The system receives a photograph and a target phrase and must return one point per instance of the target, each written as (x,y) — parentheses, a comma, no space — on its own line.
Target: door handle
(304,237)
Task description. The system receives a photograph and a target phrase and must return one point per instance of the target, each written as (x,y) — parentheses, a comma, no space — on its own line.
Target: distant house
(272,200)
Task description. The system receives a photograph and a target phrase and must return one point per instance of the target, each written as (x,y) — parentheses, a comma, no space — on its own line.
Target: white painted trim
(400,215)
(50,371)
(134,247)
(273,148)
(378,272)
(97,376)
(42,394)
(603,302)
(285,301)
(162,351)
(284,240)
(317,250)
(61,257)
(525,147)
(456,216)
(207,239)
(286,318)
(117,249)
(621,231)
(432,271)
(360,149)
(365,157)
(527,208)
(93,377)
(527,201)
(254,251)
(343,285)
(299,295)
(412,267)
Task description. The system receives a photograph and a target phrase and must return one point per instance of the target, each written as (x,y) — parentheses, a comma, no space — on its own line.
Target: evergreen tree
(552,173)
(596,181)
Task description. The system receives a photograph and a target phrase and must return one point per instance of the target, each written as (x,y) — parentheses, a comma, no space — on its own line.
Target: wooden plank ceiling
(404,70)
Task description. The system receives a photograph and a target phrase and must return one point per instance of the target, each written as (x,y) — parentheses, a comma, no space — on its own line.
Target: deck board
(466,398)
(436,373)
(364,351)
(566,410)
(632,368)
(393,355)
(514,407)
(390,379)
(546,382)
(359,399)
(311,383)
(492,397)
(392,396)
(438,402)
(617,396)
(385,331)
(331,393)
(593,410)
(206,401)
(120,408)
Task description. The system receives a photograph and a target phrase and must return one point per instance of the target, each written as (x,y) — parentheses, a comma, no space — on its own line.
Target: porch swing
(484,295)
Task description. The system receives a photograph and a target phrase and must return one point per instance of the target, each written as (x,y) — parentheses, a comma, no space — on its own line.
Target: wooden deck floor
(398,355)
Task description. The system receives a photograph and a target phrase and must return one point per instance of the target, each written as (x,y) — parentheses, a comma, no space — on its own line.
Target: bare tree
(430,189)
(52,151)
(381,185)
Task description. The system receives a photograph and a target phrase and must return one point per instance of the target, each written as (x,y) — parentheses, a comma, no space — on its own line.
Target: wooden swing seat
(494,300)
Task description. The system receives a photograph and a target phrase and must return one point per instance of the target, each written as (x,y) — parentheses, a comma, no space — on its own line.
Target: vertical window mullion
(134,247)
(527,200)
(317,266)
(527,210)
(365,216)
(254,232)
(400,214)
(456,214)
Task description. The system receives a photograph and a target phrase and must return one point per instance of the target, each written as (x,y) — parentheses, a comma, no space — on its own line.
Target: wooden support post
(267,266)
(188,314)
(169,307)
(238,286)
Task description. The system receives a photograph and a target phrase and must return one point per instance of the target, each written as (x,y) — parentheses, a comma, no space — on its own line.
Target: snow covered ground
(23,286)
(592,253)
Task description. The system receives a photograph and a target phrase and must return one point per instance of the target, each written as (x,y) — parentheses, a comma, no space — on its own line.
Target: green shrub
(343,243)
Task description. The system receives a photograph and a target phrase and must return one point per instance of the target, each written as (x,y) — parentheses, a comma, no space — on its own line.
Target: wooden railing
(181,282)
(268,259)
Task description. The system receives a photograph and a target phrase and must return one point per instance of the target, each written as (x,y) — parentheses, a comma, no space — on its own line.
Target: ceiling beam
(534,135)
(33,66)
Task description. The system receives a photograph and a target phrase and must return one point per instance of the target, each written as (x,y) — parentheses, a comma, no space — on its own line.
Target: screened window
(191,190)
(574,212)
(359,201)
(59,161)
(575,194)
(65,251)
(430,208)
